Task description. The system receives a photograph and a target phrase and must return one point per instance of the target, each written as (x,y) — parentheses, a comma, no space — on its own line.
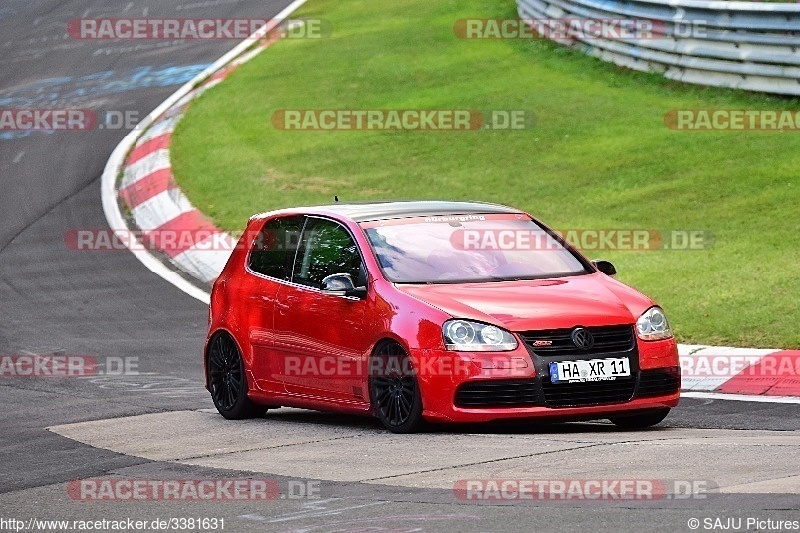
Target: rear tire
(394,391)
(228,381)
(640,421)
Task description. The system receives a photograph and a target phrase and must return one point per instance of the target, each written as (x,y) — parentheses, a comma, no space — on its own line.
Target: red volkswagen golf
(443,312)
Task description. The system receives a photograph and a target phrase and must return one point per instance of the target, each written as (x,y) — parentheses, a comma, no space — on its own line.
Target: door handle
(284,306)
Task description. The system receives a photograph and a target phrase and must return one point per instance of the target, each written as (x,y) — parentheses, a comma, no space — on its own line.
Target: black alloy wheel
(394,390)
(227,380)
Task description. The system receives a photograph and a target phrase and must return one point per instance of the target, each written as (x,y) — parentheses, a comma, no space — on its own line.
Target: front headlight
(466,336)
(653,325)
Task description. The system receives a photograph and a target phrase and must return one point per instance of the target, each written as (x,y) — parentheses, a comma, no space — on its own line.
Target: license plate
(589,370)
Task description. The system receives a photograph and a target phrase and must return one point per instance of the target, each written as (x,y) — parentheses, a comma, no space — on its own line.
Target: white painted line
(115,162)
(740,397)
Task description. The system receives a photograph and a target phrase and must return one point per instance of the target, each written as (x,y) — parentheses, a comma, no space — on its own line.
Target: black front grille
(659,382)
(607,339)
(497,393)
(588,393)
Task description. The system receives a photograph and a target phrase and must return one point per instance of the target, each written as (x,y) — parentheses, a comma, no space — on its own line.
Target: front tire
(394,391)
(640,421)
(228,381)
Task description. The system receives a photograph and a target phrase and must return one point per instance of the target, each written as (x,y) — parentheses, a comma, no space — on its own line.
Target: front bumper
(521,379)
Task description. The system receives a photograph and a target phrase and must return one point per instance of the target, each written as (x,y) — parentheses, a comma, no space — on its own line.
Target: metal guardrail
(742,45)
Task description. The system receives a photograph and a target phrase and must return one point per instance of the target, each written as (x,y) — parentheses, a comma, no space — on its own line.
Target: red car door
(318,336)
(269,266)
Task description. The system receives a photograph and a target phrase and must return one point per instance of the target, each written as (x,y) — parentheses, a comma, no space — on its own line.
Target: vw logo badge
(582,338)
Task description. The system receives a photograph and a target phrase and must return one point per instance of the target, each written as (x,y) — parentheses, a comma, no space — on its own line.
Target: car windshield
(468,248)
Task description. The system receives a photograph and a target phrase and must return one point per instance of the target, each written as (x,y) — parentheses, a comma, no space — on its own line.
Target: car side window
(275,246)
(326,248)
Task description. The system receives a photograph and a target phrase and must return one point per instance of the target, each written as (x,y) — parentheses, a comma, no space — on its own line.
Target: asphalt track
(106,305)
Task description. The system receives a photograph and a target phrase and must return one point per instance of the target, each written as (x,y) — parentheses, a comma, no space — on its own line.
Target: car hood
(586,300)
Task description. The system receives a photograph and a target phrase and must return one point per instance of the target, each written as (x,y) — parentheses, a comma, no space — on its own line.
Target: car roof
(363,212)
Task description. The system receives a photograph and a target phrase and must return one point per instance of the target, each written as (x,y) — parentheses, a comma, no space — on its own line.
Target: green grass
(599,155)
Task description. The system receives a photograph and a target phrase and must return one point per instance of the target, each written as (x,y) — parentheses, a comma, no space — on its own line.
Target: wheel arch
(211,338)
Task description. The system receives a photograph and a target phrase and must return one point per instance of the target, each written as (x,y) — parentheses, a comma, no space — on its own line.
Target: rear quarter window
(275,247)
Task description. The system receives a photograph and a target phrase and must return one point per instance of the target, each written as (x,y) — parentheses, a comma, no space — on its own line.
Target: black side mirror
(342,285)
(605,267)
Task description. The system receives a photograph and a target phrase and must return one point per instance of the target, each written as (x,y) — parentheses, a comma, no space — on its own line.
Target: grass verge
(599,156)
